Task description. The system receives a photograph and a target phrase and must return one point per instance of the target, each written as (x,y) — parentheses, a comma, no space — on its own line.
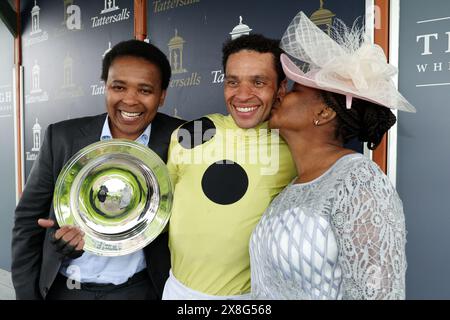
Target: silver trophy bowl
(118,192)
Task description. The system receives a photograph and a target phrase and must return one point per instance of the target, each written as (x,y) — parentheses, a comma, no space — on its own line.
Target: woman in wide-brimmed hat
(338,230)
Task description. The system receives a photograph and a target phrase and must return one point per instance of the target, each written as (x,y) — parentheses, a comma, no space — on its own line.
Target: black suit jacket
(35,263)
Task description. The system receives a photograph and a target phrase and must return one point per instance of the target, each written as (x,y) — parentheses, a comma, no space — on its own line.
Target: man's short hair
(258,43)
(139,49)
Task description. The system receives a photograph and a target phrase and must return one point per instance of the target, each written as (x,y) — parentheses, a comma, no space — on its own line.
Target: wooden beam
(382,39)
(140,19)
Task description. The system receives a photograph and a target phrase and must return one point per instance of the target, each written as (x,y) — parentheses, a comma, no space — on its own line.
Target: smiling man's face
(133,95)
(251,87)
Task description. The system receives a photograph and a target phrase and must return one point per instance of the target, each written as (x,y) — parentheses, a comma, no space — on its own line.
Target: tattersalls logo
(99,88)
(111,13)
(36,93)
(323,18)
(68,88)
(5,101)
(239,30)
(110,6)
(176,53)
(165,5)
(37,129)
(37,34)
(176,46)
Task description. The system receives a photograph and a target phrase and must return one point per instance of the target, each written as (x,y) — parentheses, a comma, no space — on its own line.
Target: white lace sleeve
(371,235)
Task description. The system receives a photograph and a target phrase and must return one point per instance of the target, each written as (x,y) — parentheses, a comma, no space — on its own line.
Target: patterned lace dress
(340,236)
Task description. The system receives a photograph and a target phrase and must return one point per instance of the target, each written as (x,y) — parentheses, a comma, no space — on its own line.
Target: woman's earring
(316,122)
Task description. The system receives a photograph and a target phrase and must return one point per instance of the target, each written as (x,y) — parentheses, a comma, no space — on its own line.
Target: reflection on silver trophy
(118,192)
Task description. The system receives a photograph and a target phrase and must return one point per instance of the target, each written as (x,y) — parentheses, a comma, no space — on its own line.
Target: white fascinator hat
(344,63)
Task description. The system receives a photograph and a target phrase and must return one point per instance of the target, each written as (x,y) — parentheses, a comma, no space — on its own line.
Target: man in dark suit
(136,76)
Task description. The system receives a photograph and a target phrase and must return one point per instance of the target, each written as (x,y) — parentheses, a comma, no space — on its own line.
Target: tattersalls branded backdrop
(423,175)
(64,41)
(7,158)
(63,45)
(192,33)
